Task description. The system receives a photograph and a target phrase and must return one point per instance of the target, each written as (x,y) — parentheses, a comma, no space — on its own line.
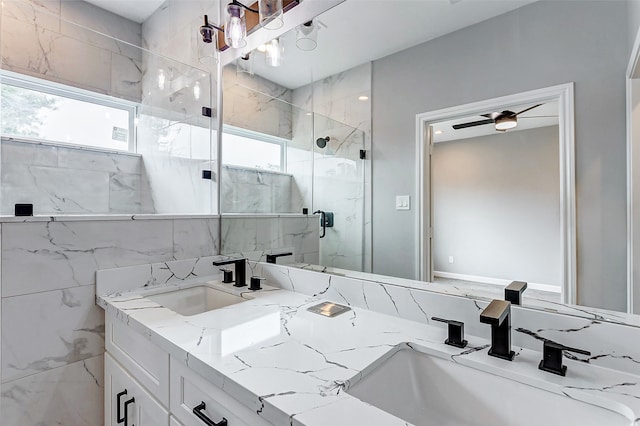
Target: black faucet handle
(227,275)
(455,332)
(271,258)
(513,292)
(552,357)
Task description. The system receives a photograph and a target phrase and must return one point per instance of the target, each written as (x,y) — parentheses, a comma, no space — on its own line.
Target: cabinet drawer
(188,390)
(146,362)
(140,407)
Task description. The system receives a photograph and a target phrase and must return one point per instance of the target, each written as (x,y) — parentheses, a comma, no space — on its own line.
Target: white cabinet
(174,422)
(187,390)
(126,402)
(161,391)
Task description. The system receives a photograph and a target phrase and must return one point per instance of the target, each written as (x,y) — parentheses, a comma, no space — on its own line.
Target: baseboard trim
(496,281)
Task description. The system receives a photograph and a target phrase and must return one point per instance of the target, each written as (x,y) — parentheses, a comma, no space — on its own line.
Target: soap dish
(329,309)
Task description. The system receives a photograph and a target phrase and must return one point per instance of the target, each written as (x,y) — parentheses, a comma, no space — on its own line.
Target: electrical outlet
(450,259)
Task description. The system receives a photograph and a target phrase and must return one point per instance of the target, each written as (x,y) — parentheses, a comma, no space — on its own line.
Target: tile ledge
(102,217)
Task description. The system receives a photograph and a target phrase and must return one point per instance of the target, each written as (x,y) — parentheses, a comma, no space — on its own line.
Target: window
(39,110)
(245,148)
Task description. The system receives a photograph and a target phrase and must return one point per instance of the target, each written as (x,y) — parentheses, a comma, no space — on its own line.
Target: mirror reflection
(496,215)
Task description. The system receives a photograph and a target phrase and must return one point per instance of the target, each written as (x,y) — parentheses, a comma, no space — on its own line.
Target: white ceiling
(359,31)
(542,116)
(134,10)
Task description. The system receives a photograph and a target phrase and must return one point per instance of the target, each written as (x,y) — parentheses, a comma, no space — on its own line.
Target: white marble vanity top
(298,376)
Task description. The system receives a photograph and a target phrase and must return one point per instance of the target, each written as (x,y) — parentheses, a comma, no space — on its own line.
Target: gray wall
(539,45)
(496,206)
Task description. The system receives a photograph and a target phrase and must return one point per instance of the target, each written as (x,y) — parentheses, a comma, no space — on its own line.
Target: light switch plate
(403,202)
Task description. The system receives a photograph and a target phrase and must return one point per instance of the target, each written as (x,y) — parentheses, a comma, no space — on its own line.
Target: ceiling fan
(503,121)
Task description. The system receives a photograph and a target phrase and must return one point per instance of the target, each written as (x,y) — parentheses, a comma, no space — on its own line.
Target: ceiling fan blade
(528,109)
(472,124)
(539,116)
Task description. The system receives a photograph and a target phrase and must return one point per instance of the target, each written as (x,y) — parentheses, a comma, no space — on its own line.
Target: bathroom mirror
(367,74)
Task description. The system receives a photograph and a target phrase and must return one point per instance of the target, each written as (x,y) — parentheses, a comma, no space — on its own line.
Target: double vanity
(184,348)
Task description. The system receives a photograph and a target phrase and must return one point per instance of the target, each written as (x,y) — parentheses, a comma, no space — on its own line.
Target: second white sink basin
(426,390)
(195,300)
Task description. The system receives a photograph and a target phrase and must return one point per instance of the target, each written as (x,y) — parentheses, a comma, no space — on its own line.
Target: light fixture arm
(237,3)
(205,30)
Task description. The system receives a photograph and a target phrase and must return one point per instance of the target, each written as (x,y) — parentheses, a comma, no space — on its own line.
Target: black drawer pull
(120,418)
(126,410)
(197,410)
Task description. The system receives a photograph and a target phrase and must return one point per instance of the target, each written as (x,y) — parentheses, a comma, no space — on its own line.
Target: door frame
(634,62)
(564,94)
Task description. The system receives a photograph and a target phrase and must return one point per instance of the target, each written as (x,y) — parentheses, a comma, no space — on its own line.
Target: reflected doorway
(497,206)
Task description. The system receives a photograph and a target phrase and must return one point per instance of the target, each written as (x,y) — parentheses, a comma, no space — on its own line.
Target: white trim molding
(634,59)
(564,94)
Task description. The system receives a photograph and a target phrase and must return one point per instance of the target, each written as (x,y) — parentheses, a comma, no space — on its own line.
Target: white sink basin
(195,300)
(426,390)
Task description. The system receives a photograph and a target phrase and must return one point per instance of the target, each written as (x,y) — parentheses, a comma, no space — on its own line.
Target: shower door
(338,188)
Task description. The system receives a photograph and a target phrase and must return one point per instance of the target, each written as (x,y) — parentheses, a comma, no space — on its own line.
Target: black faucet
(552,357)
(241,272)
(513,292)
(271,258)
(498,315)
(456,332)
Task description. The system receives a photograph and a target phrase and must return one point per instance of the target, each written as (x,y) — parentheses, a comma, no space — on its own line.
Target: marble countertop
(298,373)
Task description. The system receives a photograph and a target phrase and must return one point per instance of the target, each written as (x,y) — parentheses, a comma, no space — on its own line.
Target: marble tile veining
(43,331)
(69,395)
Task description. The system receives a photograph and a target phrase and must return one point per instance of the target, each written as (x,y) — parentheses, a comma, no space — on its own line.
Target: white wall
(539,45)
(496,204)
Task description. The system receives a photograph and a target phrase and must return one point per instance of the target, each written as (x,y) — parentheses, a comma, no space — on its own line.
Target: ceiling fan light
(506,123)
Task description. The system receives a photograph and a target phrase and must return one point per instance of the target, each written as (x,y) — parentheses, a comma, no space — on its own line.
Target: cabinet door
(188,390)
(124,396)
(147,363)
(174,422)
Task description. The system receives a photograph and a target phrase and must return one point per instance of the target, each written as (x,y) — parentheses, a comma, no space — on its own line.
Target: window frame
(261,137)
(57,89)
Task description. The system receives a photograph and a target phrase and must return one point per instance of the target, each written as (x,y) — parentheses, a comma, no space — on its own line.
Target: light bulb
(162,79)
(274,53)
(196,90)
(236,28)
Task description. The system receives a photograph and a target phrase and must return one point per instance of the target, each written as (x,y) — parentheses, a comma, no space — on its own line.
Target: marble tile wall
(254,103)
(255,234)
(50,39)
(52,331)
(62,180)
(256,191)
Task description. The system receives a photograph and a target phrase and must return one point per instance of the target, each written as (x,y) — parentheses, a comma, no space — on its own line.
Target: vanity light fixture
(267,13)
(307,36)
(505,123)
(271,14)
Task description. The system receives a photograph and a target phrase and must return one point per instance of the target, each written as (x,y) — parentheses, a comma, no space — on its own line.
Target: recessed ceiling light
(363,98)
(262,48)
(439,132)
